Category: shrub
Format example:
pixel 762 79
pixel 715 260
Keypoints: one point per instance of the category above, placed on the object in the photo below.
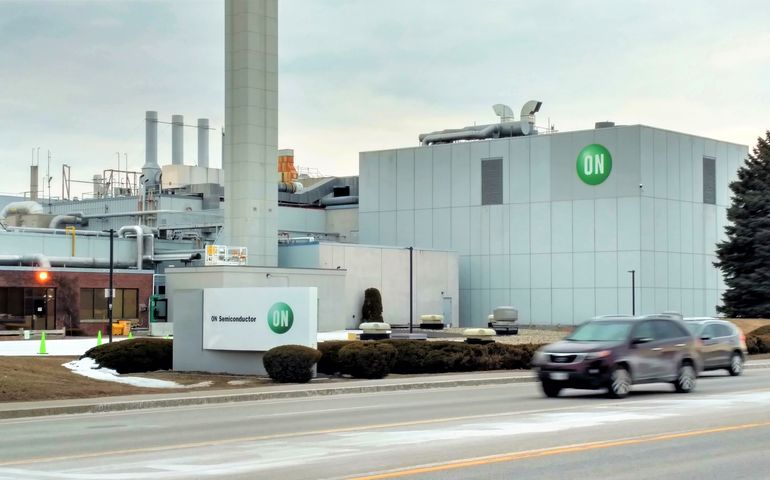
pixel 367 359
pixel 509 357
pixel 757 343
pixel 329 363
pixel 371 311
pixel 410 355
pixel 291 363
pixel 133 356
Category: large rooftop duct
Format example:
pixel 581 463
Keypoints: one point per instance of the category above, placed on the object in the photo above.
pixel 251 126
pixel 506 128
pixel 203 142
pixel 177 140
pixel 150 177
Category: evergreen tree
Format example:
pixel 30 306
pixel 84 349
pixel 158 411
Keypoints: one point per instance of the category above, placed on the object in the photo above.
pixel 371 311
pixel 744 257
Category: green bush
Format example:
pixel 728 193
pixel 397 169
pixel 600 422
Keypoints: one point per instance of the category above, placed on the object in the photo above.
pixel 330 362
pixel 291 363
pixel 757 344
pixel 133 356
pixel 454 357
pixel 367 359
pixel 371 311
pixel 509 357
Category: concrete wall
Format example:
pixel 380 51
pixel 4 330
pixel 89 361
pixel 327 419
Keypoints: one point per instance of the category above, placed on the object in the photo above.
pixel 387 269
pixel 558 249
pixel 343 220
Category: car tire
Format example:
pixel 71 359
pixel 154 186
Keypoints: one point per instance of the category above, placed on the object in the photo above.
pixel 685 378
pixel 550 389
pixel 736 365
pixel 620 383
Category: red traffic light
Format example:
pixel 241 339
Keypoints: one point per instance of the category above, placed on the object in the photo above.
pixel 42 276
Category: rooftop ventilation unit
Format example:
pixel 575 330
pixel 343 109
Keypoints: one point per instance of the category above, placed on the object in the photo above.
pixel 506 128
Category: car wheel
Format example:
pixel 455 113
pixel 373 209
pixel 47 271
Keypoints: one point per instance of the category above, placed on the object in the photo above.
pixel 736 365
pixel 620 383
pixel 551 389
pixel 685 379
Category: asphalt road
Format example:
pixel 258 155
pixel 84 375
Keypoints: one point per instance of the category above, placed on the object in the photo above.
pixel 722 430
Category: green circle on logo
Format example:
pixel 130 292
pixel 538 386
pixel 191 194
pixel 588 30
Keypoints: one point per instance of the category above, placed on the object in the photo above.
pixel 280 318
pixel 594 164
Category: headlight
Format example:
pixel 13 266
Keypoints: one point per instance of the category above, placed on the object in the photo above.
pixel 598 355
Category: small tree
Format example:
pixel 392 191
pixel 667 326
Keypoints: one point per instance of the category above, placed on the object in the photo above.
pixel 67 302
pixel 371 311
pixel 744 257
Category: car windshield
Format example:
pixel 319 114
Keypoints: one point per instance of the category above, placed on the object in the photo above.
pixel 694 328
pixel 601 332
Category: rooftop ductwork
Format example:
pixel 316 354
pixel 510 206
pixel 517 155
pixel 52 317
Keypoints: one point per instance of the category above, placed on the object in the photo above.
pixel 506 128
pixel 26 207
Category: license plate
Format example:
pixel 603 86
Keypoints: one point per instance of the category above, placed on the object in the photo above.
pixel 559 376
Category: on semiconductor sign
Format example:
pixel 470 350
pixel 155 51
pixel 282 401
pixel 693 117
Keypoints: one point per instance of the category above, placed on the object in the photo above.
pixel 594 164
pixel 259 318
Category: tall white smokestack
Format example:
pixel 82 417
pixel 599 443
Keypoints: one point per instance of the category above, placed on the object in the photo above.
pixel 177 140
pixel 203 142
pixel 150 178
pixel 251 128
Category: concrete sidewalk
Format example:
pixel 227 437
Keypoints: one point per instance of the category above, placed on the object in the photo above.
pixel 316 388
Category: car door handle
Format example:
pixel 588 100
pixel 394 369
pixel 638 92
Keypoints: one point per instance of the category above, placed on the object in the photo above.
pixel 657 349
pixel 681 344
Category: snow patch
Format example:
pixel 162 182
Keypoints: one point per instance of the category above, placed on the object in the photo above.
pixel 89 368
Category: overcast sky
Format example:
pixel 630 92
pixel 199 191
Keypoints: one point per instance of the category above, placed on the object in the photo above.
pixel 76 77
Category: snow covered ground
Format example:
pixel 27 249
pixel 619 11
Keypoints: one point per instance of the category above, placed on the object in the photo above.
pixel 89 368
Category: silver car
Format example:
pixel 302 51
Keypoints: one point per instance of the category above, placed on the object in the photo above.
pixel 721 344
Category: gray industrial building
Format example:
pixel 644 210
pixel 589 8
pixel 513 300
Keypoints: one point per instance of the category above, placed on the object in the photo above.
pixel 532 233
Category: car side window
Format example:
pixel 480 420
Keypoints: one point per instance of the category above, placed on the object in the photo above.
pixel 665 330
pixel 723 330
pixel 710 331
pixel 644 330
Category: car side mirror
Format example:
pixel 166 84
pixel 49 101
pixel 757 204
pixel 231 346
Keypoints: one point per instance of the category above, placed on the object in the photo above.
pixel 641 340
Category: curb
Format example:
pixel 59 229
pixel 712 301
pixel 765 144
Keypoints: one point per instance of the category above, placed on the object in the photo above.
pixel 253 396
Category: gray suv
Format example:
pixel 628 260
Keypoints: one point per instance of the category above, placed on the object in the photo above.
pixel 721 344
pixel 616 352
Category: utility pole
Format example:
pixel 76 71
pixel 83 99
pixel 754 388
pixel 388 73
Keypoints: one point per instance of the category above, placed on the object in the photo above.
pixel 411 288
pixel 109 294
pixel 633 291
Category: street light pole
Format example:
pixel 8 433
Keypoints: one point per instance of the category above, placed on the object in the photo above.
pixel 109 295
pixel 633 291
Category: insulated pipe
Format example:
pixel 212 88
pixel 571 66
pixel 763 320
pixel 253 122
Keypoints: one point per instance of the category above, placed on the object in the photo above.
pixel 177 140
pixel 138 231
pixel 55 231
pixel 348 200
pixel 34 259
pixel 203 142
pixel 69 219
pixel 25 207
pixel 480 132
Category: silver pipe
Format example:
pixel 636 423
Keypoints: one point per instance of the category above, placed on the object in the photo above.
pixel 346 200
pixel 26 207
pixel 169 257
pixel 58 231
pixel 33 259
pixel 138 213
pixel 74 218
pixel 139 233
pixel 150 170
pixel 478 132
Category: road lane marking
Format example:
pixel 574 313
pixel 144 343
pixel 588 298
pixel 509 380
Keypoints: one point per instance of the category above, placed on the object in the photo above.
pixel 546 452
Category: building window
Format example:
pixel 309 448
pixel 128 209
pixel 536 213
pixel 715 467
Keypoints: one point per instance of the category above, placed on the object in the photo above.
pixel 27 307
pixel 709 180
pixel 93 303
pixel 492 181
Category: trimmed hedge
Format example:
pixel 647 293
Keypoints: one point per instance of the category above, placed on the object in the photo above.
pixel 419 356
pixel 330 363
pixel 291 363
pixel 370 359
pixel 134 356
pixel 757 343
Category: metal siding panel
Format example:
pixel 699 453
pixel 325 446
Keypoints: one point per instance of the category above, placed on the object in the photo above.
pixel 442 232
pixel 659 164
pixel 629 224
pixel 674 270
pixel 606 269
pixel 561 270
pixel 661 225
pixel 606 215
pixel 541 306
pixel 519 228
pixel 423 228
pixel 647 163
pixel 498 149
pixel 584 270
pixel 540 227
pixel 369 227
pixel 562 306
pixel 387 180
pixel 519 170
pixel 521 300
pixel 369 196
pixel 540 169
pixel 672 165
pixel 520 271
pixel 461 174
pixel 388 228
pixel 461 233
pixel 583 225
pixel 442 176
pixel 405 228
pixel 685 168
pixel 423 174
pixel 405 179
pixel 541 270
pixel 478 151
pixel 498 229
pixel 561 226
